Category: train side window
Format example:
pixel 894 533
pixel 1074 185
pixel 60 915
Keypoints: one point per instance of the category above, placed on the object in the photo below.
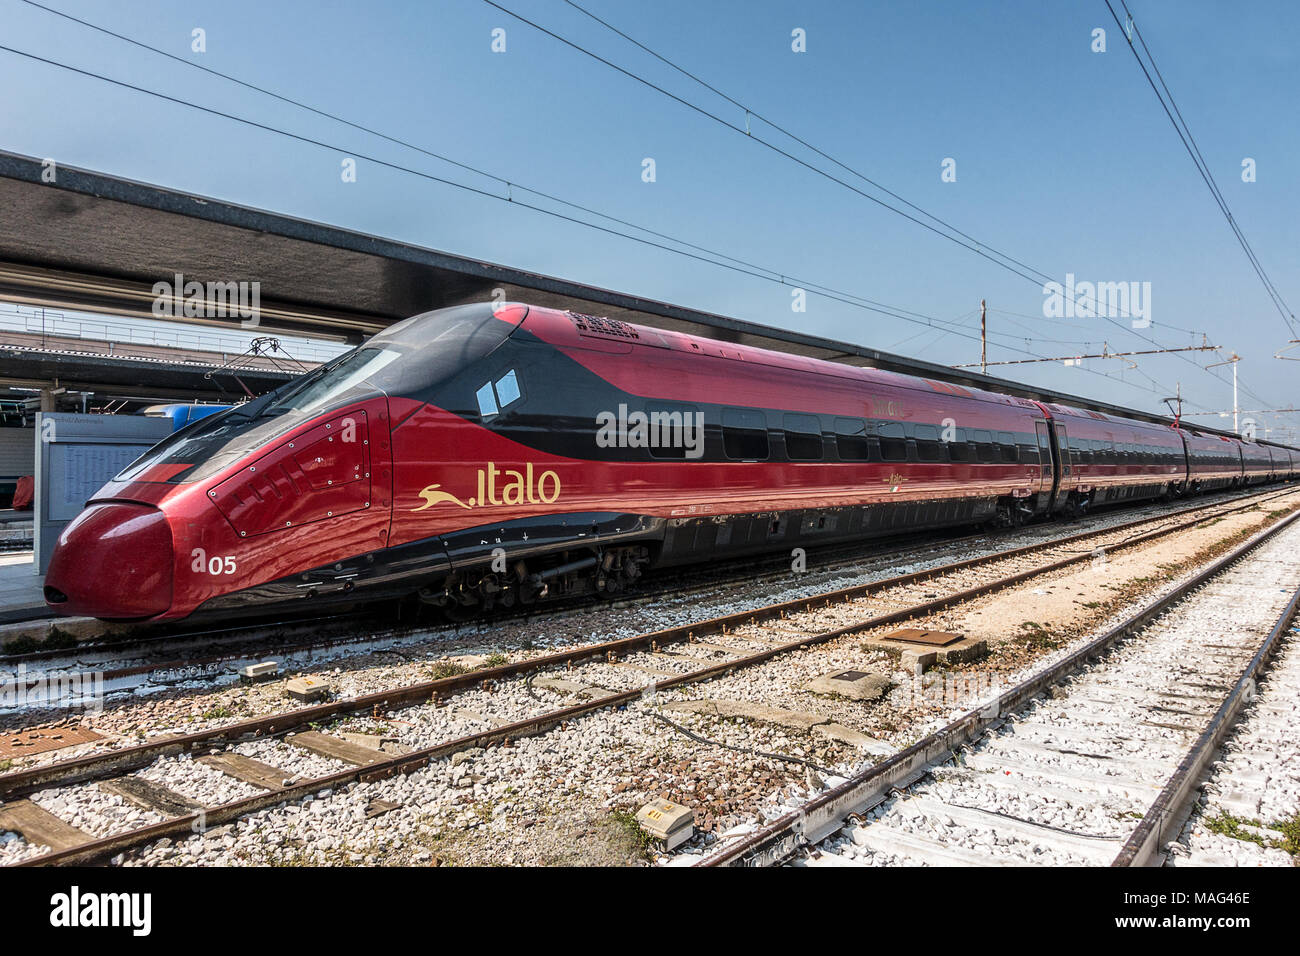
pixel 928 446
pixel 673 427
pixel 803 437
pixel 984 448
pixel 1007 450
pixel 959 449
pixel 851 439
pixel 893 442
pixel 487 403
pixel 508 389
pixel 744 434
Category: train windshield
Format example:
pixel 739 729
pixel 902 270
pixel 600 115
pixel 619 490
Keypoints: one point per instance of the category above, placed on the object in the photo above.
pixel 210 444
pixel 432 347
pixel 320 389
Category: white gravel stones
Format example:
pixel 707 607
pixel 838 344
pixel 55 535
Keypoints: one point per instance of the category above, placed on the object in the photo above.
pixel 14 849
pixel 201 783
pixel 98 813
pixel 297 763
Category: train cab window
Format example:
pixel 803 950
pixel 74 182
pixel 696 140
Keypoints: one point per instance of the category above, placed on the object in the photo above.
pixel 803 437
pixel 494 396
pixel 675 429
pixel 487 403
pixel 893 442
pixel 744 434
pixel 851 439
pixel 984 448
pixel 1007 450
pixel 928 446
pixel 507 387
pixel 959 449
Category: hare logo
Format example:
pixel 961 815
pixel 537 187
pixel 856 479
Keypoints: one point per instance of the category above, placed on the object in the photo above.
pixel 515 488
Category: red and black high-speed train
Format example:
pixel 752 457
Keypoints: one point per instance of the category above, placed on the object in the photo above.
pixel 485 456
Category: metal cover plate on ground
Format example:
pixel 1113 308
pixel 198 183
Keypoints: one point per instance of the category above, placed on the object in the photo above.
pixel 41 739
pixel 917 635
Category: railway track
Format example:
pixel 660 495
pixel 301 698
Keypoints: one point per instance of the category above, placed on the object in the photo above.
pixel 664 659
pixel 1094 760
pixel 143 669
pixel 1250 806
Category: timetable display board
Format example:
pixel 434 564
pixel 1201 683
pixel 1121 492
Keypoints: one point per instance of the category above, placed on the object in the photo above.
pixel 76 455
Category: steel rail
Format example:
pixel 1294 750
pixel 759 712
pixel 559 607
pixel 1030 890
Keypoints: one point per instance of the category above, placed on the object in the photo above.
pixel 825 814
pixel 92 767
pixel 1173 804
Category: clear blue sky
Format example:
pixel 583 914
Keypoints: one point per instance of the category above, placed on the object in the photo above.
pixel 1064 158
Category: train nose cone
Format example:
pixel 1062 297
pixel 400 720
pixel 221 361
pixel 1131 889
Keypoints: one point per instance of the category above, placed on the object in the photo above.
pixel 114 561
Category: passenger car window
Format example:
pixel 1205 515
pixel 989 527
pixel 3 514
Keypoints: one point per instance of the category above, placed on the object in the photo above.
pixel 928 446
pixel 851 439
pixel 674 431
pixel 1007 450
pixel 893 442
pixel 744 434
pixel 803 437
pixel 959 449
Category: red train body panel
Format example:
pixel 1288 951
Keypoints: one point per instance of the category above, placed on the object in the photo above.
pixel 1214 461
pixel 483 457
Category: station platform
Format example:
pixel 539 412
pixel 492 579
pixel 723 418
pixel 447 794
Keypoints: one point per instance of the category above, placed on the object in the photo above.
pixel 21 594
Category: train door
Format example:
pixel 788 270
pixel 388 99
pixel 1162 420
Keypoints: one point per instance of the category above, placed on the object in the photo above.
pixel 1188 463
pixel 1066 479
pixel 1047 471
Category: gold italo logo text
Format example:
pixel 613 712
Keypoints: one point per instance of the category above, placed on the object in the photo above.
pixel 498 486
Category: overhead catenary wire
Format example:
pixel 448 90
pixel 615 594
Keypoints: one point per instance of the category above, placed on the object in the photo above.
pixel 893 311
pixel 746 267
pixel 1011 264
pixel 1193 150
pixel 732 264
